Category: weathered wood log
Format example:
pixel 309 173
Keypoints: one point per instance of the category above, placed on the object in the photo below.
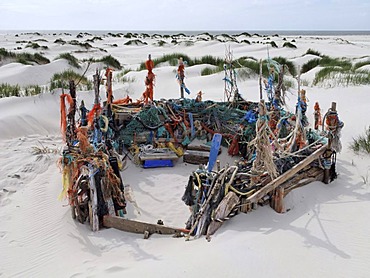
pixel 202 148
pixel 222 211
pixel 158 156
pixel 287 175
pixel 139 227
pixel 196 157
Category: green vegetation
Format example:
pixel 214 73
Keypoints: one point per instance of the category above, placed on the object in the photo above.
pixel 327 61
pixel 7 90
pixel 188 43
pixel 173 60
pixel 110 61
pixel 310 65
pixel 60 41
pixel 273 44
pixel 82 44
pixel 23 58
pixel 161 43
pixel 361 64
pixel 333 64
pixel 6 54
pixel 209 70
pixel 32 90
pixel 114 35
pixel 27 59
pixel 288 83
pixel 290 45
pixel 61 80
pixel 289 64
pixel 128 36
pixel 120 75
pixel 313 52
pixel 72 60
pixel 362 143
pixel 340 71
pixel 245 41
pixel 343 77
pixel 94 39
pixel 135 42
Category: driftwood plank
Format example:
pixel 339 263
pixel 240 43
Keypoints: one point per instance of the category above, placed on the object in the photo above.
pixel 196 157
pixel 138 227
pixel 227 204
pixel 287 175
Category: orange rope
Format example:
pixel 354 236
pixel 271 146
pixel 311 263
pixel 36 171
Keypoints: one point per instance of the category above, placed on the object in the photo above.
pixel 90 117
pixel 63 113
pixel 125 100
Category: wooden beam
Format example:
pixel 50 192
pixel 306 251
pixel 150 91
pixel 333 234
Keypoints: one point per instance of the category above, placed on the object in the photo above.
pixel 133 226
pixel 287 175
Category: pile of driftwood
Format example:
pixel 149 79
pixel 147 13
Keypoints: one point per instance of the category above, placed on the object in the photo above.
pixel 215 196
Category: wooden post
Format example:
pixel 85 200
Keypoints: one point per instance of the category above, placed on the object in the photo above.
pixel 71 114
pixel 299 81
pixel 277 202
pixel 328 153
pixel 96 86
pixel 260 79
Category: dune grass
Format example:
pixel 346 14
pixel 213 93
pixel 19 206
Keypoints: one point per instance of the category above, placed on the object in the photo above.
pixel 110 61
pixel 209 70
pixel 284 61
pixel 361 64
pixel 327 61
pixel 313 52
pixel 24 58
pixel 335 76
pixel 28 59
pixel 361 143
pixel 82 44
pixel 310 65
pixel 61 80
pixel 135 42
pixel 7 90
pixel 289 45
pixel 273 44
pixel 72 60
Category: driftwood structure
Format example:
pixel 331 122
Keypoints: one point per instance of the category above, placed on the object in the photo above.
pixel 276 151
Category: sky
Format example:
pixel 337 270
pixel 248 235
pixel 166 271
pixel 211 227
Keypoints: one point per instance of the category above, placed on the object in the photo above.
pixel 187 15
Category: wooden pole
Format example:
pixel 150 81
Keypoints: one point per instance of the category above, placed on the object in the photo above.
pixel 71 115
pixel 96 87
pixel 328 153
pixel 299 81
pixel 277 202
pixel 260 79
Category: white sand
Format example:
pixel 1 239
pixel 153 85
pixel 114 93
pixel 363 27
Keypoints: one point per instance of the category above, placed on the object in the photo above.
pixel 324 234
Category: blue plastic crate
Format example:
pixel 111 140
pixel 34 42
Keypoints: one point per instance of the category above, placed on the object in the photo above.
pixel 158 163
